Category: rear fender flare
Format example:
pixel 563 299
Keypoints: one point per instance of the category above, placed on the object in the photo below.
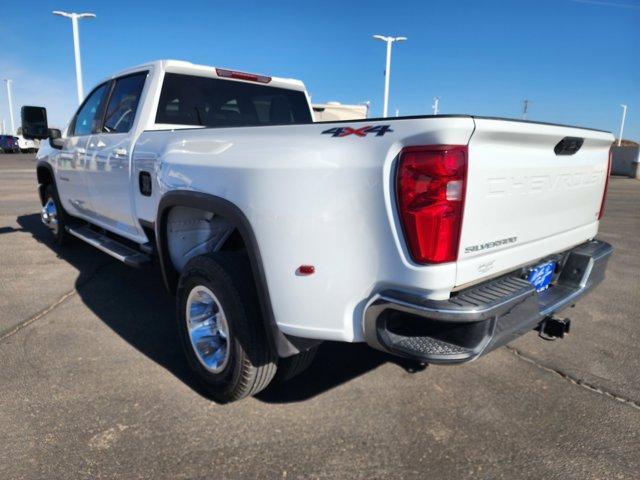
pixel 284 345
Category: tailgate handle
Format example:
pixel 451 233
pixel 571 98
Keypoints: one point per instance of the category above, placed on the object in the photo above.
pixel 568 145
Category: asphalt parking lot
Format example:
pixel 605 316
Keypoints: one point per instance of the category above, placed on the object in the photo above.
pixel 93 384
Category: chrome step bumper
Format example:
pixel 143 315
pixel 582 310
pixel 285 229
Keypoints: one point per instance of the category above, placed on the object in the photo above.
pixel 480 318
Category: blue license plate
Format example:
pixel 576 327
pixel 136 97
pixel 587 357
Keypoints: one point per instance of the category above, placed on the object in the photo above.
pixel 540 277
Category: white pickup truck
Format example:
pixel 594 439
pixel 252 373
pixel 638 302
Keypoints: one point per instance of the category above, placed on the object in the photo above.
pixel 436 238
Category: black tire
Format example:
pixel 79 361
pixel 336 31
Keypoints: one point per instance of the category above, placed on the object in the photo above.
pixel 291 367
pixel 60 234
pixel 251 363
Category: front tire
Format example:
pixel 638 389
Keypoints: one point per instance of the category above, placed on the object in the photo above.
pixel 221 330
pixel 54 216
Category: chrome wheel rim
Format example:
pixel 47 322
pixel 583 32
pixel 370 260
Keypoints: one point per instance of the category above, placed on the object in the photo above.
pixel 208 329
pixel 49 215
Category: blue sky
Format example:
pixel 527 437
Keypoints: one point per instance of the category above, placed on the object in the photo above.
pixel 576 60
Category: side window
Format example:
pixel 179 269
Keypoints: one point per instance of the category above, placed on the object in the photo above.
pixel 123 103
pixel 87 118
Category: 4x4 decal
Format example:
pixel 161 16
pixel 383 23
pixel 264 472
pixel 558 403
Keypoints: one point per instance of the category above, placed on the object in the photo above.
pixel 379 130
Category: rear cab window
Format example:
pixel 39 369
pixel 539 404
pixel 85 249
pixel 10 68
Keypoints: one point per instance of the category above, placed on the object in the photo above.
pixel 212 102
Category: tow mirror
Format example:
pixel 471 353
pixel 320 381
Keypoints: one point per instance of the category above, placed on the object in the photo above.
pixel 34 122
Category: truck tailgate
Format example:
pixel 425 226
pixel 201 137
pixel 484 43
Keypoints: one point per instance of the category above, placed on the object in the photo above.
pixel 528 197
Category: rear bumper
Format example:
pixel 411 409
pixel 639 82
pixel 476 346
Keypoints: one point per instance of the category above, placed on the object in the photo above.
pixel 482 317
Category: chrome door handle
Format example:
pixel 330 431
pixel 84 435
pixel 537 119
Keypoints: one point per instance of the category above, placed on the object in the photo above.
pixel 121 152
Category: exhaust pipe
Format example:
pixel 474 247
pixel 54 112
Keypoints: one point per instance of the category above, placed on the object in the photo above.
pixel 552 328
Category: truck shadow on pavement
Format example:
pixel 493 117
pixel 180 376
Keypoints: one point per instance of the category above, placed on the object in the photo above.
pixel 134 304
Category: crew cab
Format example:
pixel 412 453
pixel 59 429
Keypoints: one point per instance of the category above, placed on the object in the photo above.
pixel 436 238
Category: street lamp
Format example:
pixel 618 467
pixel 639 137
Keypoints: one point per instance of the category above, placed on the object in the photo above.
pixel 436 105
pixel 8 81
pixel 387 71
pixel 624 116
pixel 76 45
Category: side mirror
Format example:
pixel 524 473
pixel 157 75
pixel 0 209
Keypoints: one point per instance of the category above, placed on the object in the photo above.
pixel 34 122
pixel 55 138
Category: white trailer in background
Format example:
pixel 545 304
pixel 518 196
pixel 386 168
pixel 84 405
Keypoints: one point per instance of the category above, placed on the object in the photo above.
pixel 335 111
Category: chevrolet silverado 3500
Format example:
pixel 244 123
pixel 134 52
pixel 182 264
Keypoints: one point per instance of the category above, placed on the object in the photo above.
pixel 436 238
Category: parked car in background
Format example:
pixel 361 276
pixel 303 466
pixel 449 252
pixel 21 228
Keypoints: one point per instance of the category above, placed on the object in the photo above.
pixel 9 144
pixel 27 145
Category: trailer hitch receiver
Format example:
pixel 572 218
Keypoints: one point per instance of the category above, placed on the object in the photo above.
pixel 552 328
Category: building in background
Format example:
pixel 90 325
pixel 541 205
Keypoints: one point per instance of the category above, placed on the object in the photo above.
pixel 334 111
pixel 625 159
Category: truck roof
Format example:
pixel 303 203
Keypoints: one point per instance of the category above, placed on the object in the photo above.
pixel 188 68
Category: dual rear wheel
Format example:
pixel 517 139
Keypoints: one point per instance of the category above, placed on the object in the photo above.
pixel 221 330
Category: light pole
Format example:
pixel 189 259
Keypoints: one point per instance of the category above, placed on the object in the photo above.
pixel 436 105
pixel 525 108
pixel 387 71
pixel 8 81
pixel 76 45
pixel 624 116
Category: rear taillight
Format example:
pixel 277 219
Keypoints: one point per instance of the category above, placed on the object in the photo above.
pixel 242 76
pixel 606 187
pixel 431 184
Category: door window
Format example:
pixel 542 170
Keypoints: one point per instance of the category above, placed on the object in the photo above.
pixel 88 117
pixel 123 103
